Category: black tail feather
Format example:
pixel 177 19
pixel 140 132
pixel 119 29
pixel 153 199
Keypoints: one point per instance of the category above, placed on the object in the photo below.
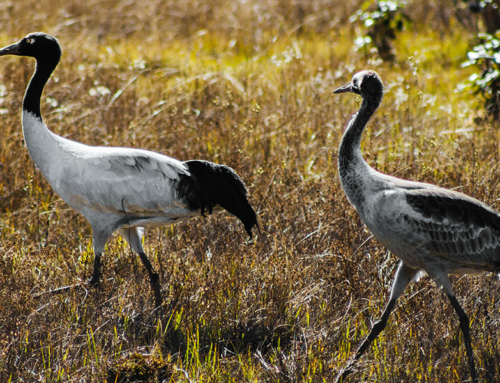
pixel 210 185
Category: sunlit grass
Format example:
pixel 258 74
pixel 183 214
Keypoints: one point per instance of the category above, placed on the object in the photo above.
pixel 248 84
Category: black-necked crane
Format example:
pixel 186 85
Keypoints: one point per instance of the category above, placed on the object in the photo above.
pixel 429 228
pixel 121 189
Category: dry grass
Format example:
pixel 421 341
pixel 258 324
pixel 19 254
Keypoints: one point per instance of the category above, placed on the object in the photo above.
pixel 248 84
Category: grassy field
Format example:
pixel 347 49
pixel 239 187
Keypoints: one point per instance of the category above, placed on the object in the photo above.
pixel 248 84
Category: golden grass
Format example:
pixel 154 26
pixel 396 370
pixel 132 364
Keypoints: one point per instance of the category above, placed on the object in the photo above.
pixel 248 84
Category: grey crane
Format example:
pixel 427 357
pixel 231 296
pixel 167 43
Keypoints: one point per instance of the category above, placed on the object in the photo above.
pixel 429 228
pixel 121 189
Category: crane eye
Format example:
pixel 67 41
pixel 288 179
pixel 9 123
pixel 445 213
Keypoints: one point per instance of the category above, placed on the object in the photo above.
pixel 30 40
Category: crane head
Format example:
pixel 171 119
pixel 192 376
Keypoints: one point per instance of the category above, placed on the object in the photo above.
pixel 37 45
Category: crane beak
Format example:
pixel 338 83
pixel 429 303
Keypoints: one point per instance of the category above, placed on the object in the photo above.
pixel 10 50
pixel 347 88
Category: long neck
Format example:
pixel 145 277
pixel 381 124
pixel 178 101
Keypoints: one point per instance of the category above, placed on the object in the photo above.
pixel 44 69
pixel 350 146
pixel 42 144
pixel 352 166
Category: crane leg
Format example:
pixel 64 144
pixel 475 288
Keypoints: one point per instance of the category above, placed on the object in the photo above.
pixel 404 275
pixel 376 329
pixel 100 238
pixel 133 235
pixel 154 279
pixel 443 281
pixel 464 325
pixel 95 279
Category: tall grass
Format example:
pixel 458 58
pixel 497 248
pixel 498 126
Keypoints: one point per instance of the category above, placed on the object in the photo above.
pixel 248 84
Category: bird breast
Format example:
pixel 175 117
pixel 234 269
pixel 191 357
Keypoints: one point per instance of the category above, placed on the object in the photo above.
pixel 385 214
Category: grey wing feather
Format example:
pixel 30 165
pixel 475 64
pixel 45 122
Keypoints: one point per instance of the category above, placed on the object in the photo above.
pixel 460 228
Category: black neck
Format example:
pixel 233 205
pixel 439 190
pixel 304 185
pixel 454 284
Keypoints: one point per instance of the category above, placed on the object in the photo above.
pixel 44 69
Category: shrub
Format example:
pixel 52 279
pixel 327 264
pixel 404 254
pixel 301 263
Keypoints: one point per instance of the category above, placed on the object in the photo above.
pixel 486 56
pixel 382 26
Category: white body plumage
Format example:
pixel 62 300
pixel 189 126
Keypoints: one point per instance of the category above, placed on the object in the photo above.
pixel 105 184
pixel 121 189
